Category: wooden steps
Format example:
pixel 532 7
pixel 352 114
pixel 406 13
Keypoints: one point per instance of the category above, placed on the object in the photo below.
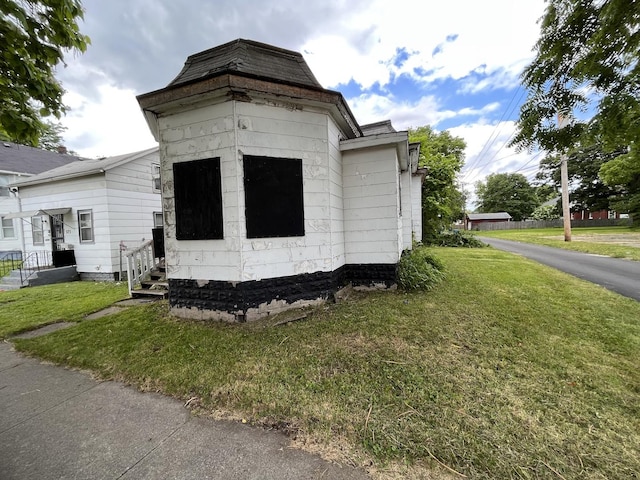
pixel 156 286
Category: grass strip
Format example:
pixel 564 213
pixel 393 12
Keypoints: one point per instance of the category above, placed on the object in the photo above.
pixel 32 307
pixel 507 369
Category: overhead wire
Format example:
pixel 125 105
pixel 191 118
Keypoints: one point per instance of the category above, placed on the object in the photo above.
pixel 508 111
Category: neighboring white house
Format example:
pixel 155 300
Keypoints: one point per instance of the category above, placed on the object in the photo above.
pixel 18 162
pixel 85 212
pixel 273 195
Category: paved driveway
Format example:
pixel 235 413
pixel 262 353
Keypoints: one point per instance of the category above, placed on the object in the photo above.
pixel 618 275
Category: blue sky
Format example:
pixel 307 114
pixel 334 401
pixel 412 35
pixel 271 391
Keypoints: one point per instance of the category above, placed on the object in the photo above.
pixel 454 65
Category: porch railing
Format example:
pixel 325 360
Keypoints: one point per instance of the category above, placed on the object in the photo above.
pixel 26 263
pixel 140 262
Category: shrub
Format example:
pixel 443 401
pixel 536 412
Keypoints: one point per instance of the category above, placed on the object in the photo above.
pixel 419 270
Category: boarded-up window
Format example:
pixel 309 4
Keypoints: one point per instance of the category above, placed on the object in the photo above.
pixel 198 199
pixel 274 204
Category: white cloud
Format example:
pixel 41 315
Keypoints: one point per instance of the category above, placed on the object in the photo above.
pixel 494 37
pixel 482 45
pixel 487 152
pixel 369 108
pixel 111 126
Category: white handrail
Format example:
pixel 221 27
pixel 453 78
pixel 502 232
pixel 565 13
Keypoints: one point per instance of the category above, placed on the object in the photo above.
pixel 140 262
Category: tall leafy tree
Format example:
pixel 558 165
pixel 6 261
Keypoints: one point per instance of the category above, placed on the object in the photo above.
pixel 587 60
pixel 442 200
pixel 588 191
pixel 507 192
pixel 34 35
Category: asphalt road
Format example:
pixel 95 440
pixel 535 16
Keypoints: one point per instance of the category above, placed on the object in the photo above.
pixel 615 274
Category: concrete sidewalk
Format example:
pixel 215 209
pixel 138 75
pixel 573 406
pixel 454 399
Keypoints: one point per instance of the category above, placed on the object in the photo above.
pixel 61 424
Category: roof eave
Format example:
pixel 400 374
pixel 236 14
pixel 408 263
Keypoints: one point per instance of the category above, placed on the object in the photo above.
pixel 399 139
pixel 58 178
pixel 235 86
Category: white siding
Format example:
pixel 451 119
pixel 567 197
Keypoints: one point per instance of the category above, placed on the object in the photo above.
pixel 131 204
pixel 264 130
pixel 86 193
pixel 122 204
pixel 200 133
pixel 416 200
pixel 277 132
pixel 336 198
pixel 371 206
pixel 10 205
pixel 407 209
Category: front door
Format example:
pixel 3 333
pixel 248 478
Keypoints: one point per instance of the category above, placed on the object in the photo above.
pixel 57 232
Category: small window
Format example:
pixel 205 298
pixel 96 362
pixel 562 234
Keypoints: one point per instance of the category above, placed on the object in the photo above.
pixel 37 230
pixel 85 226
pixel 198 199
pixel 7 228
pixel 155 177
pixel 158 221
pixel 273 197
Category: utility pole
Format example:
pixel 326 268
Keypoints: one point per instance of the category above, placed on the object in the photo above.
pixel 564 181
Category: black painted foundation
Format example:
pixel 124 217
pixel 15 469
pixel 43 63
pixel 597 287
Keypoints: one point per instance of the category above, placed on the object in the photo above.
pixel 238 298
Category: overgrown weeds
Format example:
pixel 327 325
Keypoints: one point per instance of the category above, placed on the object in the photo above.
pixel 419 269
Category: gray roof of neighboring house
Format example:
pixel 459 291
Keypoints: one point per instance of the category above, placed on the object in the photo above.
pixel 489 216
pixel 28 160
pixel 248 58
pixel 83 168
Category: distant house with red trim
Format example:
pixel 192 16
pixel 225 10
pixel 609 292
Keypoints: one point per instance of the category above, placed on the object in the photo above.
pixel 596 215
pixel 473 220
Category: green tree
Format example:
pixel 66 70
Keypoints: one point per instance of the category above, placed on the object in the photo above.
pixel 623 172
pixel 545 212
pixel 34 35
pixel 587 60
pixel 442 201
pixel 588 192
pixel 507 192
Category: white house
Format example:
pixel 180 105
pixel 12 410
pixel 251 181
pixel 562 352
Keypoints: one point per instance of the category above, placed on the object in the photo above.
pixel 86 212
pixel 18 162
pixel 273 195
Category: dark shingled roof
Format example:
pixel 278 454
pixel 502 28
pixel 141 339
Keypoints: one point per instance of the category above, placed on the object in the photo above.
pixel 22 159
pixel 248 58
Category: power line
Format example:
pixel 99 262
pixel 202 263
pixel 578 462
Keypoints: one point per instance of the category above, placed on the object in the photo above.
pixel 494 134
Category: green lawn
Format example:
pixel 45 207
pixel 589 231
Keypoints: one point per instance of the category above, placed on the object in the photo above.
pixel 32 307
pixel 507 369
pixel 619 242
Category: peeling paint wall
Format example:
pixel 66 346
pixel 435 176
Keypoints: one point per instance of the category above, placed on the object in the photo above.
pixel 231 130
pixel 204 132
